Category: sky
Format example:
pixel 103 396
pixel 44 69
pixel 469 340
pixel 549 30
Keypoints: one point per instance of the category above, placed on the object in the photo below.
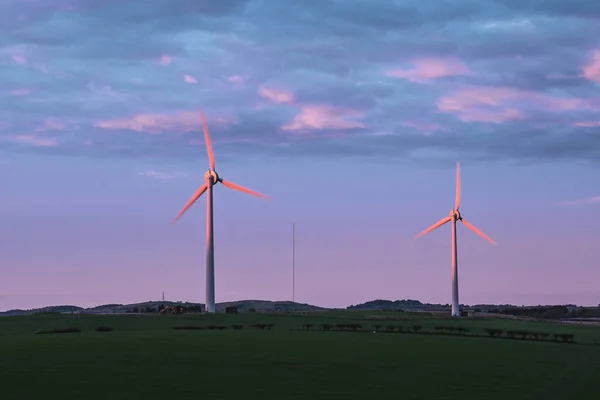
pixel 349 114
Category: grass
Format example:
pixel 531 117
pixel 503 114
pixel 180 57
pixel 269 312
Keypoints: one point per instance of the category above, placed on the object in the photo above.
pixel 154 357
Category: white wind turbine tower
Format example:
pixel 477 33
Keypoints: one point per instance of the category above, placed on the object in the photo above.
pixel 453 217
pixel 212 178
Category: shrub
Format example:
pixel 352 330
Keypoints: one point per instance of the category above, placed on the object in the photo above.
pixel 326 327
pixel 65 330
pixel 564 337
pixel 188 328
pixel 390 328
pixel 104 329
pixel 354 327
pixel 439 329
pixel 523 334
pixel 308 326
pixel 463 331
pixel 511 334
pixel 400 329
pixel 544 335
pixel 270 326
pixel 376 327
pixel 493 332
pixel 237 327
pixel 416 328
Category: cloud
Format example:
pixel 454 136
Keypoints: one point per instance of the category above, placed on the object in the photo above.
pixel 430 68
pixel 19 59
pixel 165 60
pixel 513 24
pixel 589 124
pixel 238 82
pixel 174 122
pixel 163 175
pixel 503 104
pixel 426 127
pixel 36 141
pixel 189 79
pixel 580 202
pixel 20 92
pixel 325 117
pixel 521 76
pixel 591 70
pixel 276 96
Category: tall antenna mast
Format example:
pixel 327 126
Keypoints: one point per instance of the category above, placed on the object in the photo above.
pixel 293 266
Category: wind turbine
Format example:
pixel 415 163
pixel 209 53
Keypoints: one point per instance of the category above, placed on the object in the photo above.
pixel 211 179
pixel 453 217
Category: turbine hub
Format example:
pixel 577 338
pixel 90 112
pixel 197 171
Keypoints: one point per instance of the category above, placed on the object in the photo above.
pixel 455 214
pixel 211 174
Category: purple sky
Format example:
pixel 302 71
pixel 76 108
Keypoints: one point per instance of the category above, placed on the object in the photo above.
pixel 350 114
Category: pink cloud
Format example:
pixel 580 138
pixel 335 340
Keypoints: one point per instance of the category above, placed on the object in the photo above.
pixel 579 202
pixel 182 121
pixel 165 60
pixel 502 104
pixel 163 175
pixel 237 81
pixel 591 70
pixel 31 139
pixel 198 142
pixel 20 92
pixel 42 68
pixel 53 125
pixel 277 96
pixel 426 127
pixel 426 69
pixel 190 79
pixel 588 124
pixel 105 90
pixel 19 59
pixel 314 117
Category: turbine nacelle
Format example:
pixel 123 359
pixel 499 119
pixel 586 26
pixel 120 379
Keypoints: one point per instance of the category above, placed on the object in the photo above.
pixel 212 174
pixel 455 214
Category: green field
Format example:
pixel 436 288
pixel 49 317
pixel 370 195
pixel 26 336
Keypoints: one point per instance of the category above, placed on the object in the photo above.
pixel 143 357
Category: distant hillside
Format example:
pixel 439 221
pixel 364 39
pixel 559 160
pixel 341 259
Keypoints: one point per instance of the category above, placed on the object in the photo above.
pixel 268 306
pixel 393 305
pixel 44 310
pixel 154 306
pixel 265 306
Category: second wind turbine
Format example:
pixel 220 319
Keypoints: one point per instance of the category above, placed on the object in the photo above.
pixel 453 217
pixel 211 178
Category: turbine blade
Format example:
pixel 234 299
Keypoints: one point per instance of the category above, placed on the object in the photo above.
pixel 192 200
pixel 477 231
pixel 435 226
pixel 457 186
pixel 237 187
pixel 209 149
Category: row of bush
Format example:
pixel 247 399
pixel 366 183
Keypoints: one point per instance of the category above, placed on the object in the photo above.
pixel 236 327
pixel 448 330
pixel 74 330
pixel 524 335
